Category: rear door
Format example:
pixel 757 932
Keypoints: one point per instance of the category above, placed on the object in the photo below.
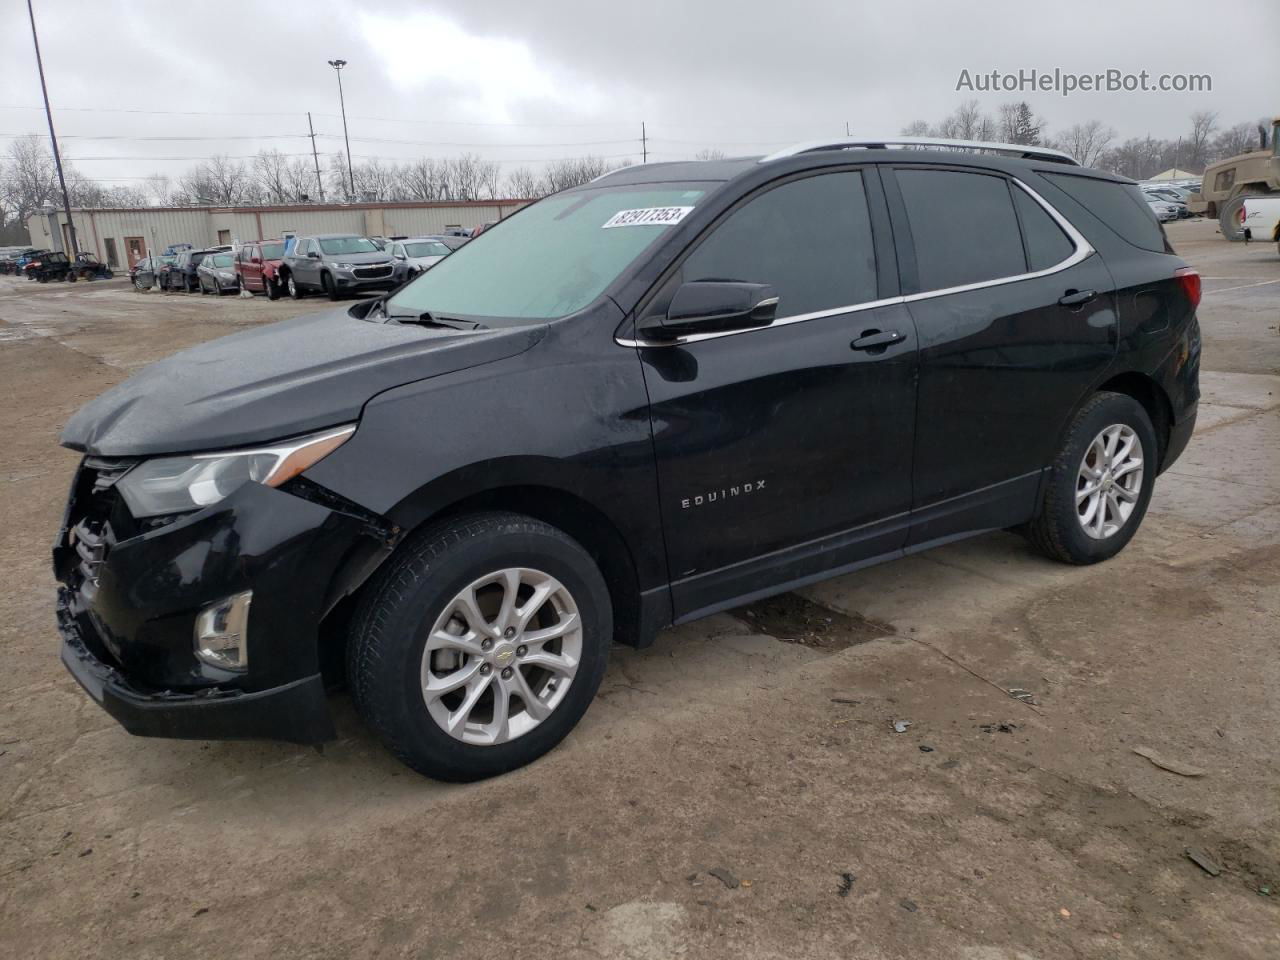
pixel 1016 318
pixel 785 452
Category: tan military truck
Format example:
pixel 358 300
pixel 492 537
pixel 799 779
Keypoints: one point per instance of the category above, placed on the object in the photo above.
pixel 1228 182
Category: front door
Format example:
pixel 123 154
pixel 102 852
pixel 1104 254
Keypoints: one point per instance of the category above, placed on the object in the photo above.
pixel 135 249
pixel 1016 320
pixel 784 453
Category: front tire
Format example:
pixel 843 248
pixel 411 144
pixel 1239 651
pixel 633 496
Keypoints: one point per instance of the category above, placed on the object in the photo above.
pixel 270 289
pixel 295 291
pixel 327 285
pixel 1229 215
pixel 1100 483
pixel 480 645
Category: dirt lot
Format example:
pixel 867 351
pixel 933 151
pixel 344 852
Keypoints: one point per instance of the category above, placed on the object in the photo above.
pixel 993 828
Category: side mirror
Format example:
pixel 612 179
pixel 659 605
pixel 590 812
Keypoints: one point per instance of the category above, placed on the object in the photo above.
pixel 713 306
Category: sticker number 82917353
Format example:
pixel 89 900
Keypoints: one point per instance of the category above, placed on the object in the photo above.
pixel 647 216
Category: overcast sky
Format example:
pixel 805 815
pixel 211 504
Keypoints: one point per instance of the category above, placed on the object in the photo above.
pixel 522 81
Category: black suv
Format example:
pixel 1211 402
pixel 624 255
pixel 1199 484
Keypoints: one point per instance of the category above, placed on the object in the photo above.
pixel 659 395
pixel 336 264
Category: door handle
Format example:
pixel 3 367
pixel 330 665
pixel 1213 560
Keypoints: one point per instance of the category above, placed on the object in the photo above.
pixel 877 339
pixel 1076 298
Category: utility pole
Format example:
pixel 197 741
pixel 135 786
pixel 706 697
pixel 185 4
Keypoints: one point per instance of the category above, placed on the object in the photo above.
pixel 644 144
pixel 846 128
pixel 351 175
pixel 315 156
pixel 53 138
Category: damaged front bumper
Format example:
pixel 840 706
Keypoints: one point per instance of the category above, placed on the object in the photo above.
pixel 131 592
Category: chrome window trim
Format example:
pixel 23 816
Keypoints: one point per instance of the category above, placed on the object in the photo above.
pixel 1083 250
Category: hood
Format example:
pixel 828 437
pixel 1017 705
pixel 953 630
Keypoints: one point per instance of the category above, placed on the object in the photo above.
pixel 276 381
pixel 425 261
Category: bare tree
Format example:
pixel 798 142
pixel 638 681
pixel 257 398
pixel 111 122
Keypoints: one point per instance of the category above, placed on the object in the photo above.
pixel 469 177
pixel 422 180
pixel 376 180
pixel 1241 138
pixel 523 184
pixel 918 128
pixel 709 154
pixel 282 179
pixel 28 178
pixel 563 174
pixel 1203 123
pixel 220 181
pixel 158 189
pixel 1087 142
pixel 968 123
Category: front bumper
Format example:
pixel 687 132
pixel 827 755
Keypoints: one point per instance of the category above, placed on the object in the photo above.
pixel 130 595
pixel 295 712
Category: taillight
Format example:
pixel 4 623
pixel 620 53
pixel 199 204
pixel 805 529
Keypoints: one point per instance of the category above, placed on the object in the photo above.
pixel 1189 279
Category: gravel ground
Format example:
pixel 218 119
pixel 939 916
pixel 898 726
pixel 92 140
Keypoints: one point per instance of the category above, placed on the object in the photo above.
pixel 730 794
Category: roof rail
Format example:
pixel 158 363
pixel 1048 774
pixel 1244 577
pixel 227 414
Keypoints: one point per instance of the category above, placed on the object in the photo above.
pixel 846 143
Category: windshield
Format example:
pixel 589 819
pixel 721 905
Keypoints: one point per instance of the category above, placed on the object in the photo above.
pixel 428 248
pixel 273 251
pixel 550 259
pixel 336 245
pixel 221 260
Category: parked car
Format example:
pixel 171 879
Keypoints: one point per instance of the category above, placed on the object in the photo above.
pixel 415 254
pixel 217 273
pixel 451 240
pixel 257 264
pixel 50 265
pixel 181 273
pixel 483 227
pixel 640 401
pixel 1168 195
pixel 336 264
pixel 144 274
pixel 1163 209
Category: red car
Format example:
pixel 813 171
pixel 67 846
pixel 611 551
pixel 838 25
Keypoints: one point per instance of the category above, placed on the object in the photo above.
pixel 256 265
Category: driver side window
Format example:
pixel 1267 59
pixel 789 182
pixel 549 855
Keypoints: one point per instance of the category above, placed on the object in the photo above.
pixel 809 238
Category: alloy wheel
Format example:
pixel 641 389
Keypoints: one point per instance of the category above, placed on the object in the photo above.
pixel 501 656
pixel 1109 481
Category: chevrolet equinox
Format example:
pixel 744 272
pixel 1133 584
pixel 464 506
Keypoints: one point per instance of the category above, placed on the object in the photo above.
pixel 665 393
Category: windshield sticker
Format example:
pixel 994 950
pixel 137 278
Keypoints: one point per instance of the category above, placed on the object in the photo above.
pixel 647 217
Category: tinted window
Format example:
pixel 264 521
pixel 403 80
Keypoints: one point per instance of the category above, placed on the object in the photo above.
pixel 810 239
pixel 963 227
pixel 1121 206
pixel 272 251
pixel 1046 244
pixel 425 248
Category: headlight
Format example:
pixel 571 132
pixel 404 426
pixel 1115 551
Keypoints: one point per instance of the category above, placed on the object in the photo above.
pixel 180 484
pixel 342 266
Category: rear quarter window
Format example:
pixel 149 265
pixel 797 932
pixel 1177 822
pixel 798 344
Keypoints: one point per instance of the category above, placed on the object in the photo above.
pixel 1120 206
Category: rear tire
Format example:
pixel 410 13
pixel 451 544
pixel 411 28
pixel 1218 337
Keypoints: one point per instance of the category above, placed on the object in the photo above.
pixel 270 289
pixel 1093 472
pixel 419 596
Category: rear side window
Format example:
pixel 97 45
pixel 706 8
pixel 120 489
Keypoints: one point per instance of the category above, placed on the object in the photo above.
pixel 1120 206
pixel 1046 244
pixel 810 239
pixel 963 227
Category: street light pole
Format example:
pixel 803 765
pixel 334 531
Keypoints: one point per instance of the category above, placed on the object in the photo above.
pixel 53 139
pixel 351 176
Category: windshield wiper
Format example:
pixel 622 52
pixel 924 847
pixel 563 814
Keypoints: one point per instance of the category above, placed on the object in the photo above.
pixel 427 320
